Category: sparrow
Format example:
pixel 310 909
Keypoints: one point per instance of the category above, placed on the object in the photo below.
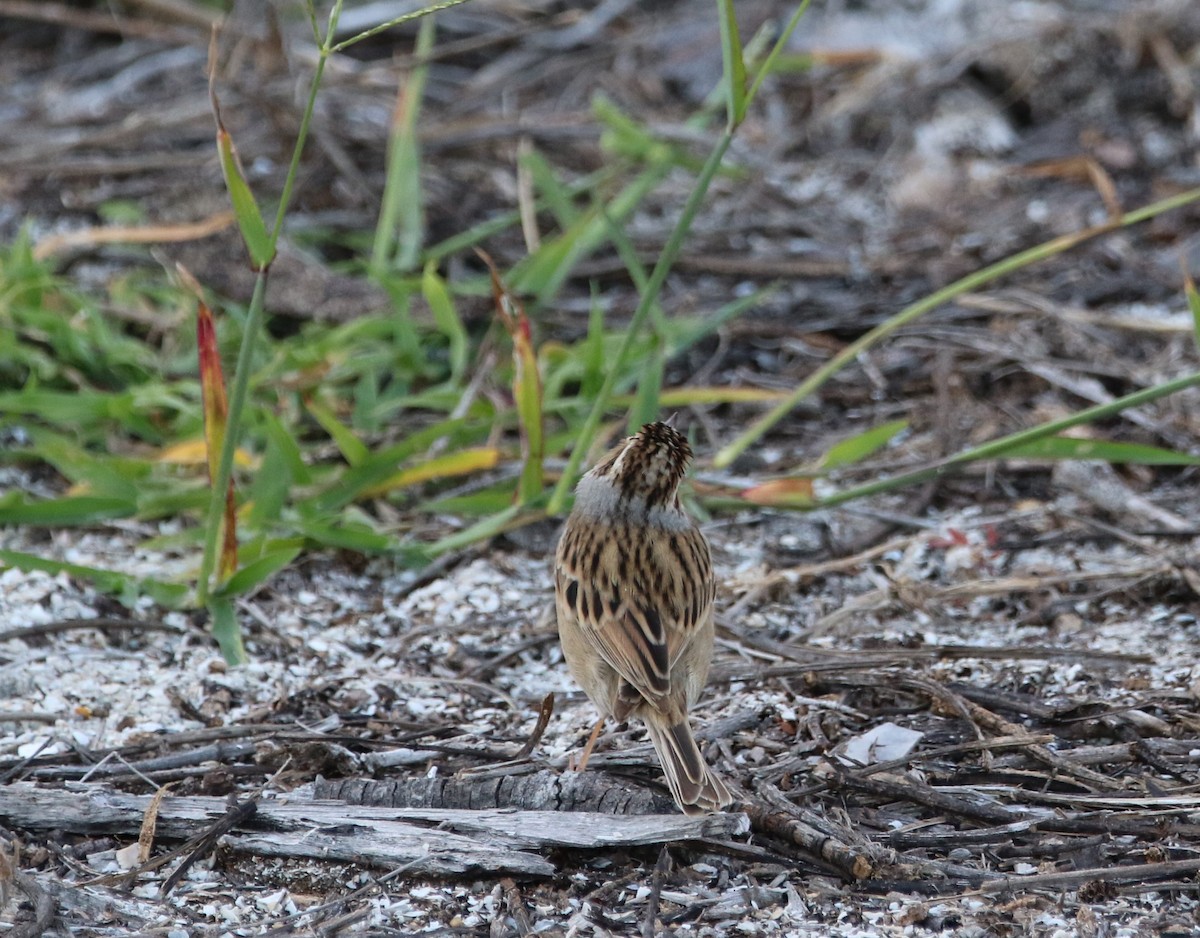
pixel 634 593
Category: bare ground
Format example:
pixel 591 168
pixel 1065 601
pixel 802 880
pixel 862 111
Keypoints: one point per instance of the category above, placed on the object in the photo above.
pixel 968 709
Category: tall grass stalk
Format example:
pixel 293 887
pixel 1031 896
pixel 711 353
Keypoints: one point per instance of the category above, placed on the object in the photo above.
pixel 253 326
pixel 738 102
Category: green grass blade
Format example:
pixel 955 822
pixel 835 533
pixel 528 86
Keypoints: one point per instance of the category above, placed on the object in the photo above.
pixel 441 304
pixel 637 272
pixel 245 208
pixel 487 501
pixel 60 408
pixel 477 234
pixel 68 511
pixel 542 273
pixel 682 335
pixel 646 399
pixel 554 196
pixel 392 23
pixel 282 468
pixel 379 466
pixel 353 450
pixel 400 229
pixel 1193 301
pixel 733 64
pixel 857 448
pixel 592 353
pixel 345 535
pixel 118 477
pixel 225 629
pixel 769 63
pixel 480 531
pixel 1069 447
pixel 127 588
pixel 257 572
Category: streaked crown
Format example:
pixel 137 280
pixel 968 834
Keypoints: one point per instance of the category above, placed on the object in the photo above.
pixel 648 465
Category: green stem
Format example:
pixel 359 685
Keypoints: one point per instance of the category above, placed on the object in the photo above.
pixel 237 403
pixel 657 277
pixel 250 335
pixel 289 182
pixel 375 30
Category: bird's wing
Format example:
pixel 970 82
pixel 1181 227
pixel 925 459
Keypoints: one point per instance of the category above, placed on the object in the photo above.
pixel 639 600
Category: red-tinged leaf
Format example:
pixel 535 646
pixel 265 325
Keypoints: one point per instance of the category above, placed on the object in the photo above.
pixel 790 493
pixel 216 415
pixel 212 386
pixel 227 563
pixel 953 538
pixel 527 384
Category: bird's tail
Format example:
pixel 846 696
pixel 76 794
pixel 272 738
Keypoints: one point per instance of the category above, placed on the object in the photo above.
pixel 694 786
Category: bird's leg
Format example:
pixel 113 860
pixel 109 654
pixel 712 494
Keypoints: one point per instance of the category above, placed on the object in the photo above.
pixel 587 750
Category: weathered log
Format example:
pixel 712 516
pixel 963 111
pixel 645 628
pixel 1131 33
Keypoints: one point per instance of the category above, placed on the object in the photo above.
pixel 537 791
pixel 440 842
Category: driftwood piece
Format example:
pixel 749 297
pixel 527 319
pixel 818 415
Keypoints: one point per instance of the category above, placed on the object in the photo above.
pixel 772 814
pixel 538 791
pixel 95 903
pixel 440 842
pixel 385 843
pixel 43 905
